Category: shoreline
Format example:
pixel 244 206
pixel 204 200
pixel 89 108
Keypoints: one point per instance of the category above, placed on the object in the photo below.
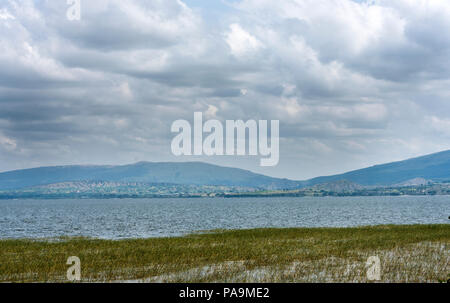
pixel 217 197
pixel 63 238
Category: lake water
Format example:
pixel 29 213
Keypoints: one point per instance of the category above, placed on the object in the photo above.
pixel 143 218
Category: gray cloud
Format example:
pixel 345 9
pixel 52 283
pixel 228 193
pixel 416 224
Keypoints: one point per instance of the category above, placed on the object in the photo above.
pixel 353 83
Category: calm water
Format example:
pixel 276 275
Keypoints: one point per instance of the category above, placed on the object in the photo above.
pixel 142 218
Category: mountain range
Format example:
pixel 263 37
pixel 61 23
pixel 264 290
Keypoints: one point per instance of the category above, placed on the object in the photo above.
pixel 192 173
pixel 430 168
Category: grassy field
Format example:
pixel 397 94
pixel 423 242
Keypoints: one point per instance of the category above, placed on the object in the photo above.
pixel 418 253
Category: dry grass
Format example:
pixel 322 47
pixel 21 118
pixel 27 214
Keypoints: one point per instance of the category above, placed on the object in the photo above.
pixel 418 253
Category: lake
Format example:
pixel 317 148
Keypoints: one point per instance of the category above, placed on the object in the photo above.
pixel 144 218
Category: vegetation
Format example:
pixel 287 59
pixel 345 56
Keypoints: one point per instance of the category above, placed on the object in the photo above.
pixel 418 253
pixel 329 190
pixel 108 190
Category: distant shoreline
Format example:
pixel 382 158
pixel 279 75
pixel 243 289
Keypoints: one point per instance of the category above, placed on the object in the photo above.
pixel 227 196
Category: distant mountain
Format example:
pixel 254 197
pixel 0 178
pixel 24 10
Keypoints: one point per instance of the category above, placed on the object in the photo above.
pixel 434 167
pixel 192 173
pixel 417 171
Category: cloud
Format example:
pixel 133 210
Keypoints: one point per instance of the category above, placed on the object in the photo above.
pixel 7 143
pixel 211 112
pixel 5 14
pixel 352 82
pixel 240 41
pixel 440 125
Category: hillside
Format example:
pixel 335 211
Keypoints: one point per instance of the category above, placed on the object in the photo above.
pixel 434 167
pixel 413 172
pixel 193 173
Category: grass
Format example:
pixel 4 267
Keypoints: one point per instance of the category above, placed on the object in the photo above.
pixel 416 253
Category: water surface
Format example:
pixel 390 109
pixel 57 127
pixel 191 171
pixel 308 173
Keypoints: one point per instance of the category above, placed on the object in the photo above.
pixel 143 218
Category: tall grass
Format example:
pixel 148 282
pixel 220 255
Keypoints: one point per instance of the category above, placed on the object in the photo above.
pixel 418 253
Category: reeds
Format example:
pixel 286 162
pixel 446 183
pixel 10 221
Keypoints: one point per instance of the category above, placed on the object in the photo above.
pixel 417 253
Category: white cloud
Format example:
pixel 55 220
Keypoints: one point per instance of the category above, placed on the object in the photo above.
pixel 211 112
pixel 5 15
pixel 125 90
pixel 289 106
pixel 240 41
pixel 439 125
pixel 7 143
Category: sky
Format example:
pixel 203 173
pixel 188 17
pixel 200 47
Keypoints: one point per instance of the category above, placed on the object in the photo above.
pixel 353 83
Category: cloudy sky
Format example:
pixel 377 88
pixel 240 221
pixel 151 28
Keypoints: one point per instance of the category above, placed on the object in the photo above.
pixel 353 83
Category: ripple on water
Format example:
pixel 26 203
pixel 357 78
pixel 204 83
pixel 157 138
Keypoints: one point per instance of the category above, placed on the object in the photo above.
pixel 142 218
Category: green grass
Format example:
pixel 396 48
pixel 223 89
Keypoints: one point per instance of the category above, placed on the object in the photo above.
pixel 418 253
